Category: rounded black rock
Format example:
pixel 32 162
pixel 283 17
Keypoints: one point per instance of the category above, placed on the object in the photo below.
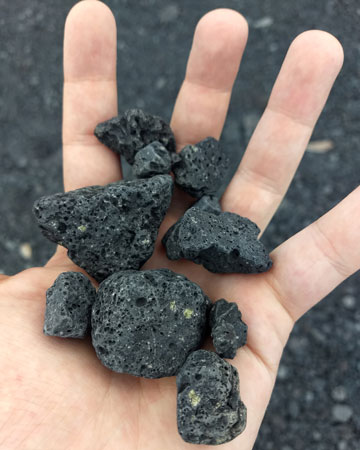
pixel 209 408
pixel 146 323
pixel 68 306
pixel 228 331
pixel 201 168
pixel 151 160
pixel 222 242
pixel 126 134
pixel 107 228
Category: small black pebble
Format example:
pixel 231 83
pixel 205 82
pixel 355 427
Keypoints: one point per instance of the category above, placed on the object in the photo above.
pixel 201 168
pixel 209 408
pixel 151 160
pixel 228 331
pixel 128 133
pixel 209 203
pixel 68 306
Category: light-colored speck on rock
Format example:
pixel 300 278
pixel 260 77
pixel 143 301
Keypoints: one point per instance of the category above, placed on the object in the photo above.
pixel 194 398
pixel 342 413
pixel 173 305
pixel 25 250
pixel 188 313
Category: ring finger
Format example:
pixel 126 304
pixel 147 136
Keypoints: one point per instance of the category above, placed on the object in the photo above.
pixel 274 152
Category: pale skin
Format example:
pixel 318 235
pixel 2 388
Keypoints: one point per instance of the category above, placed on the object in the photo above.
pixel 54 393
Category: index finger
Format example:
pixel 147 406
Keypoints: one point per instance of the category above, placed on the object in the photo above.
pixel 90 94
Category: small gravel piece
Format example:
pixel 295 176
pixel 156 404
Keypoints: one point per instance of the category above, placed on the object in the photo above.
pixel 128 133
pixel 349 301
pixel 209 203
pixel 339 394
pixel 68 306
pixel 146 323
pixel 223 243
pixel 152 160
pixel 107 228
pixel 228 331
pixel 342 413
pixel 209 408
pixel 201 169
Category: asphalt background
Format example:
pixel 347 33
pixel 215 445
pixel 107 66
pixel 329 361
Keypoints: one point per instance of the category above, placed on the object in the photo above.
pixel 316 402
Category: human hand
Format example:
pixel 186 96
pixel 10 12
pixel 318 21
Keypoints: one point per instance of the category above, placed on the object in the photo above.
pixel 54 392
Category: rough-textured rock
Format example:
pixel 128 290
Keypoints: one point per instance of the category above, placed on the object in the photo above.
pixel 126 134
pixel 202 168
pixel 209 408
pixel 107 228
pixel 228 331
pixel 209 203
pixel 175 158
pixel 146 323
pixel 68 306
pixel 223 243
pixel 152 160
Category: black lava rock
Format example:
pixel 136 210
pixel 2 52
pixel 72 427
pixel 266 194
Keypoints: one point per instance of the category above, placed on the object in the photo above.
pixel 202 168
pixel 209 408
pixel 209 203
pixel 107 228
pixel 152 160
pixel 68 306
pixel 224 243
pixel 132 131
pixel 175 158
pixel 146 323
pixel 228 331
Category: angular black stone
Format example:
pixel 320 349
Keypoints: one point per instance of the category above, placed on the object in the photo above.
pixel 224 243
pixel 146 323
pixel 107 228
pixel 209 408
pixel 151 160
pixel 128 133
pixel 228 331
pixel 68 306
pixel 201 169
pixel 209 203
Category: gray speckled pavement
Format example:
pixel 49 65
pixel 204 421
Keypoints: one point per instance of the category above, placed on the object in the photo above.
pixel 316 402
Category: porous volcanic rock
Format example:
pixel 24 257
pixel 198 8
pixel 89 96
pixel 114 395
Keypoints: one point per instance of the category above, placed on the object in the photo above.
pixel 209 203
pixel 228 331
pixel 151 160
pixel 201 168
pixel 209 408
pixel 222 242
pixel 126 134
pixel 107 228
pixel 68 306
pixel 146 323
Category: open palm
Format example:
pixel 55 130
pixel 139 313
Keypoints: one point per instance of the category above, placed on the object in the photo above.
pixel 54 393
